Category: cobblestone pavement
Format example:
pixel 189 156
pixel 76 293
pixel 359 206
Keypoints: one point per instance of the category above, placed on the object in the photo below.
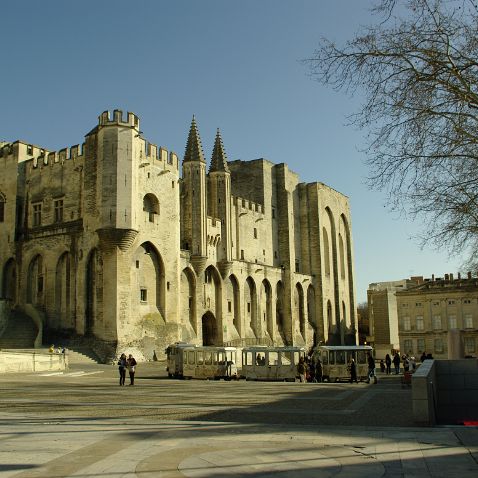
pixel 82 424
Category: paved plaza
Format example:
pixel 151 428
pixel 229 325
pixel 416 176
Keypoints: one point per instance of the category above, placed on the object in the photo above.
pixel 82 424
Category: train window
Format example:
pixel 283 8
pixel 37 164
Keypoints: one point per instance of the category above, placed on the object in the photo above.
pixel 361 356
pixel 350 355
pixel 286 358
pixel 200 358
pixel 273 358
pixel 248 358
pixel 340 357
pixel 325 357
pixel 208 358
pixel 332 357
pixel 191 357
pixel 296 357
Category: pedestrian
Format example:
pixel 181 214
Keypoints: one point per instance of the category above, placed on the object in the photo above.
pixel 302 369
pixel 396 363
pixel 388 364
pixel 311 371
pixel 122 363
pixel 413 364
pixel 353 371
pixel 423 357
pixel 371 368
pixel 318 370
pixel 131 368
pixel 382 366
pixel 406 363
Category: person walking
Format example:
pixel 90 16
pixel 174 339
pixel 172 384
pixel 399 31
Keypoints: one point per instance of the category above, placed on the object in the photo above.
pixel 131 368
pixel 318 370
pixel 388 364
pixel 122 363
pixel 302 369
pixel 396 363
pixel 371 368
pixel 353 371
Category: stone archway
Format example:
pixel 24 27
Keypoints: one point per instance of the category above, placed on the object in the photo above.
pixel 209 329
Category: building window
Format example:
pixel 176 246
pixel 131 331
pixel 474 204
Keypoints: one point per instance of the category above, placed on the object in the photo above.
pixel 438 346
pixel 143 293
pixel 468 321
pixel 418 304
pixel 420 345
pixel 470 345
pixel 2 208
pixel 451 302
pixel 406 323
pixel 255 233
pixel 207 276
pixel 275 254
pixel 37 214
pixel 408 346
pixel 242 254
pixel 273 213
pixel 229 306
pixel 436 304
pixel 436 322
pixel 419 320
pixel 249 307
pixel 452 322
pixel 58 205
pixel 137 264
pixel 467 301
pixel 29 149
pixel 405 305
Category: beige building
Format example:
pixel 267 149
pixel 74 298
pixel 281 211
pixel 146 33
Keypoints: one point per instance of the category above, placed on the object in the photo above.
pixel 383 315
pixel 109 243
pixel 430 310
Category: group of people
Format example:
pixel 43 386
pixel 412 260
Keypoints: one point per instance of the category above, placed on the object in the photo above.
pixel 310 370
pixel 57 350
pixel 126 363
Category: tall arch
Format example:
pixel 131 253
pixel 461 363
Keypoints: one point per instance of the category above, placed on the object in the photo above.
pixel 213 291
pixel 325 236
pixel 148 283
pixel 335 261
pixel 63 291
pixel 94 290
pixel 233 302
pixel 250 305
pixel 35 281
pixel 265 303
pixel 188 300
pixel 9 280
pixel 280 317
pixel 349 272
pixel 311 312
pixel 342 257
pixel 299 304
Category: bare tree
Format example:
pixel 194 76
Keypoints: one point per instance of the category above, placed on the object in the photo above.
pixel 418 70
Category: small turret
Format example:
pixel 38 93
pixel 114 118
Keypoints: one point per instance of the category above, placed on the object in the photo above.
pixel 218 159
pixel 194 150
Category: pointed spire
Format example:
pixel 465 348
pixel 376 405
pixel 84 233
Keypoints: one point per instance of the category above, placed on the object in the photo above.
pixel 219 158
pixel 194 150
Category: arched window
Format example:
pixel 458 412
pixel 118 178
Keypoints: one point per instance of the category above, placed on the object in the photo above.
pixel 150 206
pixel 2 207
pixel 326 252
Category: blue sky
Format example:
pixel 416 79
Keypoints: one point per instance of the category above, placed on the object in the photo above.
pixel 235 65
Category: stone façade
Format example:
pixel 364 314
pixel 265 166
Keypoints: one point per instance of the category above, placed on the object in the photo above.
pixel 109 242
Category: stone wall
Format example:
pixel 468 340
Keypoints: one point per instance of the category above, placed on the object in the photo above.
pixel 16 362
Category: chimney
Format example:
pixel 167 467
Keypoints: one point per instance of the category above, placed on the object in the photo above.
pixel 447 277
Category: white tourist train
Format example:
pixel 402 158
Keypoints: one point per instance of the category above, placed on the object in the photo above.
pixel 336 361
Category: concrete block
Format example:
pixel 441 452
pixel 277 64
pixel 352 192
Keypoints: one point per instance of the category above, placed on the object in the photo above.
pixel 471 382
pixel 421 411
pixel 420 389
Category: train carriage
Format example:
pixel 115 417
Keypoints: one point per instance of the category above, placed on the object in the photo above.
pixel 336 361
pixel 271 363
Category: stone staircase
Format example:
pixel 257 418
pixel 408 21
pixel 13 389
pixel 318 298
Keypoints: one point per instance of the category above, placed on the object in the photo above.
pixel 20 333
pixel 81 355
